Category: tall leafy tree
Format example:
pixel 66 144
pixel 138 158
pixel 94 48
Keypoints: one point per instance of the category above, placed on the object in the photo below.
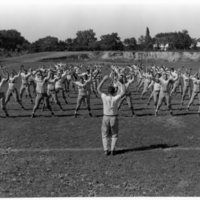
pixel 176 40
pixel 130 43
pixel 12 40
pixel 48 43
pixel 141 42
pixel 85 40
pixel 148 40
pixel 69 44
pixel 110 42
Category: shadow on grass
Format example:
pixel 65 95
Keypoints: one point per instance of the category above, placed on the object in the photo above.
pixel 97 104
pixel 145 114
pixel 29 116
pixel 121 115
pixel 65 115
pixel 18 116
pixel 144 108
pixel 146 148
pixel 97 108
pixel 185 113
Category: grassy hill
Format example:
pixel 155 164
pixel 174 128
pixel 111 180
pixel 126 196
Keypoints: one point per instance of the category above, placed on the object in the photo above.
pixel 171 59
pixel 106 56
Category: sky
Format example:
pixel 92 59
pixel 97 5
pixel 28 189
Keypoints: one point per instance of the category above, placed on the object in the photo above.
pixel 129 18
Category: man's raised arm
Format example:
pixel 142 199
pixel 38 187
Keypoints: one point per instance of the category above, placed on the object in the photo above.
pixel 121 88
pixel 99 88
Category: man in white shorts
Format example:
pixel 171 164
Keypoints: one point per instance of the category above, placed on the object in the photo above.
pixel 12 89
pixel 83 94
pixel 2 94
pixel 41 92
pixel 127 82
pixel 61 76
pixel 25 83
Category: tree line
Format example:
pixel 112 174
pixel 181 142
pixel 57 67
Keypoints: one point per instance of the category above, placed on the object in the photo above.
pixel 86 40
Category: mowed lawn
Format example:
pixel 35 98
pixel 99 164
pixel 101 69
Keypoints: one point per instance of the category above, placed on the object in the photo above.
pixel 62 155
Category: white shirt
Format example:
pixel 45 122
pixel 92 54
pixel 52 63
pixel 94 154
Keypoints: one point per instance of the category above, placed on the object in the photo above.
pixel 110 104
pixel 164 84
pixel 156 86
pixel 196 86
pixel 60 80
pixel 11 82
pixel 186 78
pixel 174 75
pixel 51 84
pixel 25 78
pixel 40 85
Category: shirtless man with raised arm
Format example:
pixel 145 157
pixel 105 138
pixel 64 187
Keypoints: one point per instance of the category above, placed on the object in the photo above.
pixel 196 90
pixel 127 95
pixel 186 85
pixel 12 89
pixel 61 76
pixel 51 91
pixel 164 91
pixel 83 94
pixel 41 92
pixel 2 94
pixel 25 83
pixel 156 90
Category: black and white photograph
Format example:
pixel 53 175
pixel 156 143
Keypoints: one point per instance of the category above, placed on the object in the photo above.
pixel 99 98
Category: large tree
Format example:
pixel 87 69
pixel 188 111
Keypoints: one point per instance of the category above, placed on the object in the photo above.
pixel 110 42
pixel 45 44
pixel 148 45
pixel 145 42
pixel 130 43
pixel 141 42
pixel 12 40
pixel 85 40
pixel 176 40
pixel 69 44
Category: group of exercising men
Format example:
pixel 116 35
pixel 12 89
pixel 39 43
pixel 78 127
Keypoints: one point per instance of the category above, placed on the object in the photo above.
pixel 44 84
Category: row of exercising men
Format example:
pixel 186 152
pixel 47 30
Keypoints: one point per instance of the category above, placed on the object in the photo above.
pixel 47 83
pixel 163 83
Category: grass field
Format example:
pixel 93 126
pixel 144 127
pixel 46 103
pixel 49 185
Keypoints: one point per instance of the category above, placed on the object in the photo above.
pixel 62 156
